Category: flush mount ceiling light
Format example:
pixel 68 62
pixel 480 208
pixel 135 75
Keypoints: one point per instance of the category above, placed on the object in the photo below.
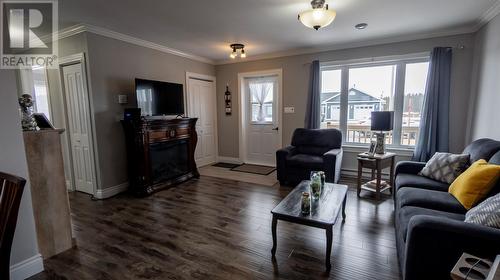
pixel 319 16
pixel 237 49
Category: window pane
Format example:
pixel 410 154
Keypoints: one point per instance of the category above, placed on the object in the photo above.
pixel 370 89
pixel 41 92
pixel 415 82
pixel 330 98
pixel 261 97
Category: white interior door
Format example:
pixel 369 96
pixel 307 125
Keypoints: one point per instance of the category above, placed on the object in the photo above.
pixel 202 105
pixel 78 113
pixel 261 120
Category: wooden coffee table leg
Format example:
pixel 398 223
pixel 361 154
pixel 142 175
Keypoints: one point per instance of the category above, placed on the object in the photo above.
pixel 275 223
pixel 329 238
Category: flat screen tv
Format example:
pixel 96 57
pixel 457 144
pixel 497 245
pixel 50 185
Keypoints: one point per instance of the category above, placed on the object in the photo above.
pixel 157 98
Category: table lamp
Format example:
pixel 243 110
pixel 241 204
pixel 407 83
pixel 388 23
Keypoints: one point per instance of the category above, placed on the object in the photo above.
pixel 382 121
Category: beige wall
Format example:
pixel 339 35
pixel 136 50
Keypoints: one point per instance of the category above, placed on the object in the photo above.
pixel 13 161
pixel 113 66
pixel 296 71
pixel 484 116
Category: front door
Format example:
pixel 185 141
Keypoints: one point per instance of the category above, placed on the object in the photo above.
pixel 80 131
pixel 261 120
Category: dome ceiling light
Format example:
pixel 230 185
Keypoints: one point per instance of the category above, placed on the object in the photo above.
pixel 319 16
pixel 237 48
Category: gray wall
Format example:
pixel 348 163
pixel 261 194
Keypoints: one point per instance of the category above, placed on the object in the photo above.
pixel 296 80
pixel 13 160
pixel 484 116
pixel 113 66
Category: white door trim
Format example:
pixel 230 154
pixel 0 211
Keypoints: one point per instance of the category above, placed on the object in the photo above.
pixel 242 108
pixel 65 61
pixel 209 78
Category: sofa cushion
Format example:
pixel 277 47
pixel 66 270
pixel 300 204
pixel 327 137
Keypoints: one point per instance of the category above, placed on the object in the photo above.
pixel 487 213
pixel 445 167
pixel 472 186
pixel 311 161
pixel 436 200
pixel 495 159
pixel 482 149
pixel 316 141
pixel 417 181
pixel 408 212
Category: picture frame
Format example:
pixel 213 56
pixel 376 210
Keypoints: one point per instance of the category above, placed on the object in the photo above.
pixel 373 147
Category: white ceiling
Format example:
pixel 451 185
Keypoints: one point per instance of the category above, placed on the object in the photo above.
pixel 207 27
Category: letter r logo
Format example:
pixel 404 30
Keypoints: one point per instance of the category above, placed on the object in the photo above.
pixel 26 23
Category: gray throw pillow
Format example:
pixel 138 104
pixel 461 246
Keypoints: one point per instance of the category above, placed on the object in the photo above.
pixel 487 213
pixel 445 167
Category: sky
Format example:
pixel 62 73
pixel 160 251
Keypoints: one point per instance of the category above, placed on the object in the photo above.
pixel 378 80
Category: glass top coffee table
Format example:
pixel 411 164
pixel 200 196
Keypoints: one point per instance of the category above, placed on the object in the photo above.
pixel 324 212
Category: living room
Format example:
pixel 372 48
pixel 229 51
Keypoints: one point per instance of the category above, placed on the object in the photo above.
pixel 258 101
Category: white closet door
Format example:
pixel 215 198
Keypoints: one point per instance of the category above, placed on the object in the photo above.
pixel 202 105
pixel 78 111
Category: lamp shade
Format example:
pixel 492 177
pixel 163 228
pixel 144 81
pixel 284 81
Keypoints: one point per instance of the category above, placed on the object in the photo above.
pixel 317 18
pixel 382 120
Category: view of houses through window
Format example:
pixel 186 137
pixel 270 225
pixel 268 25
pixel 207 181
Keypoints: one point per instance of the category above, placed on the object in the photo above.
pixel 374 87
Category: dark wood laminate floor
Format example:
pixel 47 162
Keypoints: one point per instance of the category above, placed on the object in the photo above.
pixel 220 229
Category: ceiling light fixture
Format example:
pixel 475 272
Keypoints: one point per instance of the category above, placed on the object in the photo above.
pixel 319 16
pixel 361 26
pixel 237 48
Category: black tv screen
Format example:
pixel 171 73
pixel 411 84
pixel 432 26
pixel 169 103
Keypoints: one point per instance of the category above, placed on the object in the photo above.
pixel 157 98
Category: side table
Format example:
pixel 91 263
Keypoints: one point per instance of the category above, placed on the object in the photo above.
pixel 376 163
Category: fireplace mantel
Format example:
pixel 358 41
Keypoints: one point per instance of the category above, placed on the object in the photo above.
pixel 160 153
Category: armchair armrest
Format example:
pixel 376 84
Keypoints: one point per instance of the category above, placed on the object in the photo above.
pixel 436 243
pixel 286 151
pixel 409 167
pixel 332 161
pixel 281 156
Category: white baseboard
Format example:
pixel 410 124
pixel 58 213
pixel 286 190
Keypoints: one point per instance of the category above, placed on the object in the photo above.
pixel 229 160
pixel 111 191
pixel 27 268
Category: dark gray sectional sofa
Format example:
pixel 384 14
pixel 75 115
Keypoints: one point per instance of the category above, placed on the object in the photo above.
pixel 431 234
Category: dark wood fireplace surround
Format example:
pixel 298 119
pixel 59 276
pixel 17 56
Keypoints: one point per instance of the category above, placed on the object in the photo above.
pixel 160 153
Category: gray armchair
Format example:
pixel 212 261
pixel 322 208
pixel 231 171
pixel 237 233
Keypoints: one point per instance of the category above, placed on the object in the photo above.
pixel 311 150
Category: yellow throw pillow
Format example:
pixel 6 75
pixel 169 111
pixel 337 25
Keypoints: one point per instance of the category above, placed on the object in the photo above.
pixel 475 183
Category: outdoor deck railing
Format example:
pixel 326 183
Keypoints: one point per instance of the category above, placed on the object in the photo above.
pixel 361 133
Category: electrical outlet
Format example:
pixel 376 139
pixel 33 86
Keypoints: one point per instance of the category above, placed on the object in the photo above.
pixel 289 110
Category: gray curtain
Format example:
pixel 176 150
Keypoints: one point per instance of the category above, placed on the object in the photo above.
pixel 434 121
pixel 313 110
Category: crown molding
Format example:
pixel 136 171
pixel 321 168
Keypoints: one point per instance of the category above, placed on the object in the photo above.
pixel 491 13
pixel 80 28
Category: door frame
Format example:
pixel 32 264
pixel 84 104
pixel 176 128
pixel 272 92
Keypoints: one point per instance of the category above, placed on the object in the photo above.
pixel 80 58
pixel 243 108
pixel 208 78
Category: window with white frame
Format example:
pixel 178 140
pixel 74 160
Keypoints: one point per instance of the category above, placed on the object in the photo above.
pixel 351 91
pixel 34 82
